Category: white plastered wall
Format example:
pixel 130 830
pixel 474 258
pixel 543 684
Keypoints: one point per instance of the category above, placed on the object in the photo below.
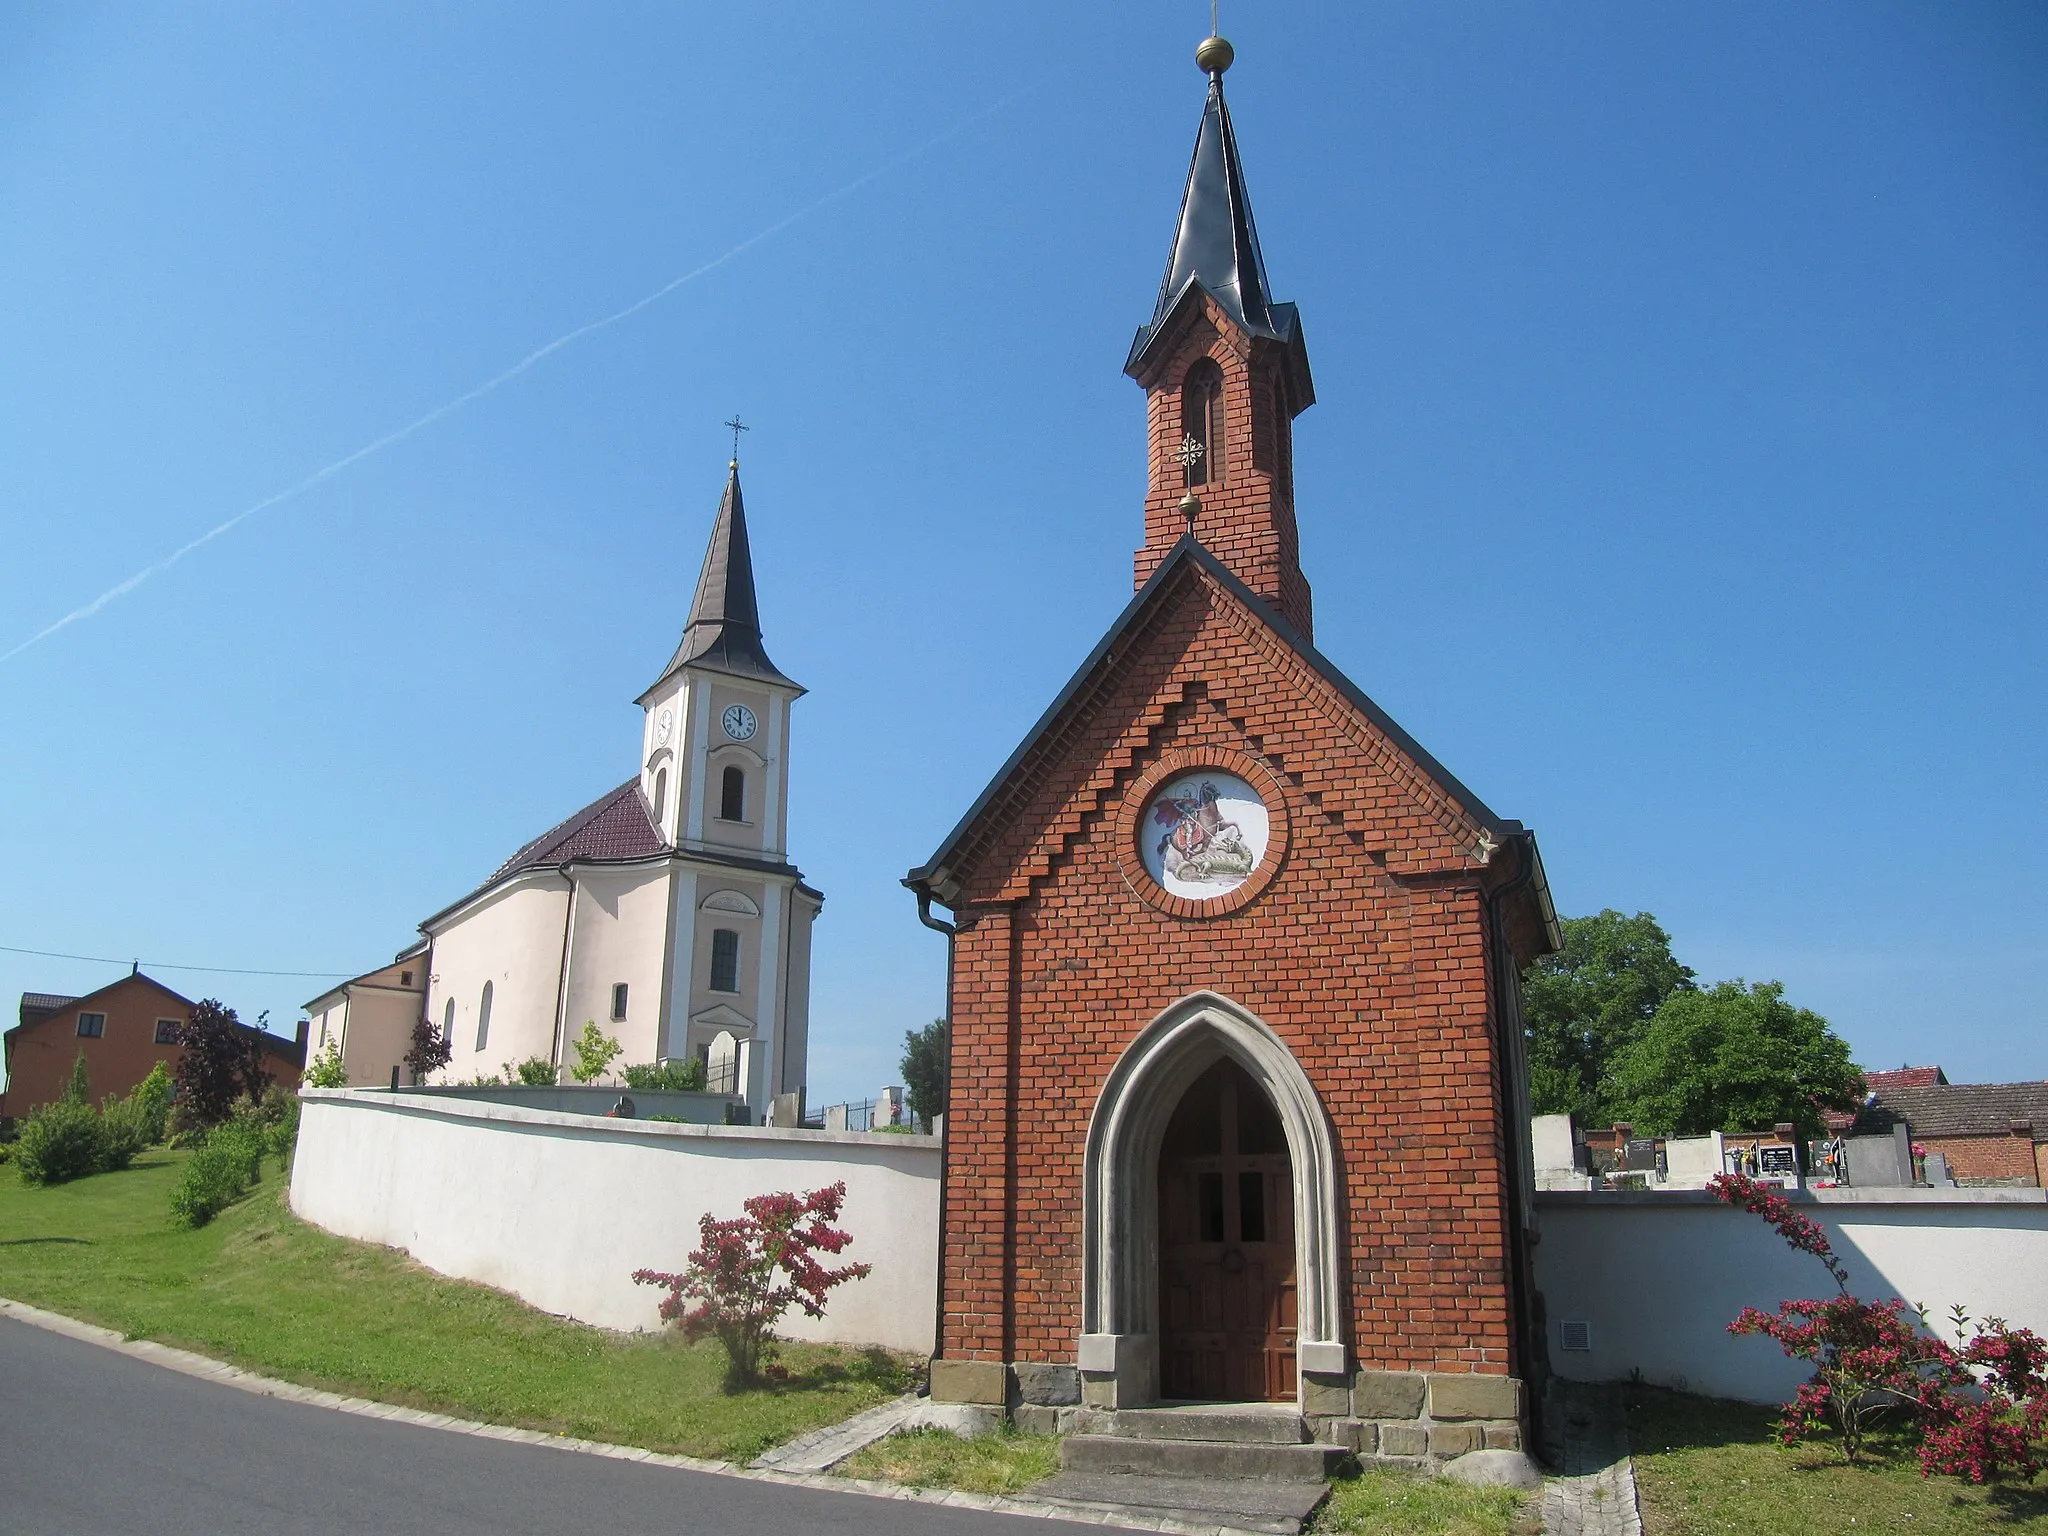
pixel 378 1033
pixel 511 938
pixel 621 930
pixel 561 1209
pixel 1659 1277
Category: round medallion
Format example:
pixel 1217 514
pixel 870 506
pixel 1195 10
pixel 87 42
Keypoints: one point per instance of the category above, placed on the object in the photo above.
pixel 739 721
pixel 1203 834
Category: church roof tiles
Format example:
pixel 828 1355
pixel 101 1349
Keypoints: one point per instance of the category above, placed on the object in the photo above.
pixel 616 826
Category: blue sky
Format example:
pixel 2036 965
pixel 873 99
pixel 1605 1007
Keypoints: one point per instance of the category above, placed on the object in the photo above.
pixel 1678 476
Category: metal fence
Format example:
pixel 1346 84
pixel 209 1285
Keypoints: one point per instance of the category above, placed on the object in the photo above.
pixel 861 1115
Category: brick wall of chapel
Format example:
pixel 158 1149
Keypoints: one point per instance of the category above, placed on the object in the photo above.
pixel 1366 955
pixel 1247 519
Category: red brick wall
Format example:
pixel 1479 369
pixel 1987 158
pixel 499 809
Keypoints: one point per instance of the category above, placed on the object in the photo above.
pixel 1366 955
pixel 1247 521
pixel 1986 1157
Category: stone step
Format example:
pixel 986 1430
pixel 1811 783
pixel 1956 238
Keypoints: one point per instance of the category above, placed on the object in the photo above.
pixel 1240 1423
pixel 1201 1458
pixel 1273 1509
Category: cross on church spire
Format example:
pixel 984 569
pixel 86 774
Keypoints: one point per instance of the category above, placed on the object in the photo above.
pixel 738 427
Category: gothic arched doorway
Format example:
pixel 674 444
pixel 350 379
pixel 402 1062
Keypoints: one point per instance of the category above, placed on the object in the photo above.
pixel 1227 1302
pixel 1121 1315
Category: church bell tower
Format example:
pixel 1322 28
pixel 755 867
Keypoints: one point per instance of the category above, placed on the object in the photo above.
pixel 1225 372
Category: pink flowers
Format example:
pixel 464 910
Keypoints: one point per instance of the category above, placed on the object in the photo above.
pixel 731 1288
pixel 1982 1408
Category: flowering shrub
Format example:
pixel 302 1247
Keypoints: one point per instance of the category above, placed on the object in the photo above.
pixel 1981 1405
pixel 748 1272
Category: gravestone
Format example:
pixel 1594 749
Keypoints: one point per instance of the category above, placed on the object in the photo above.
pixel 1641 1156
pixel 1879 1162
pixel 1779 1162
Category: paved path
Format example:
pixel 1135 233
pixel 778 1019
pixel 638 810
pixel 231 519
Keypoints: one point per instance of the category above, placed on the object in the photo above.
pixel 1594 1491
pixel 93 1440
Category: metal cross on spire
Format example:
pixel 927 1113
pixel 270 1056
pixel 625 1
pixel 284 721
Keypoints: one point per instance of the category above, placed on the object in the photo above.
pixel 738 427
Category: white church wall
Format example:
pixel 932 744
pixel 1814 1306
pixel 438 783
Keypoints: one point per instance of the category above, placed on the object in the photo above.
pixel 377 1033
pixel 1658 1277
pixel 511 938
pixel 621 929
pixel 561 1209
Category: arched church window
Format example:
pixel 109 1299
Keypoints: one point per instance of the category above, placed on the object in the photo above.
pixel 1201 423
pixel 448 1023
pixel 732 795
pixel 483 1017
pixel 660 792
pixel 725 960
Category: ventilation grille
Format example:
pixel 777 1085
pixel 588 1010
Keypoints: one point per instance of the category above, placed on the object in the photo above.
pixel 1575 1335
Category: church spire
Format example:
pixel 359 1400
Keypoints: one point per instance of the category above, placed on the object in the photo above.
pixel 724 631
pixel 1225 372
pixel 1215 243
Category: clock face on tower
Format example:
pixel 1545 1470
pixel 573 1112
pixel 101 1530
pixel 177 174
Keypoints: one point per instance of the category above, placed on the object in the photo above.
pixel 739 721
pixel 664 723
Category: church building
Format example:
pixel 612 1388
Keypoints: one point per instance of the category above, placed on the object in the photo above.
pixel 1238 1101
pixel 667 911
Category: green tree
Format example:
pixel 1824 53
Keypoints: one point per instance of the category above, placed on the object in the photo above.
pixel 79 1089
pixel 924 1069
pixel 595 1052
pixel 325 1070
pixel 1733 1057
pixel 1585 1004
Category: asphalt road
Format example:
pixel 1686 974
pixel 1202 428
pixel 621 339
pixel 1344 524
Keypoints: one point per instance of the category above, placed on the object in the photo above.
pixel 92 1441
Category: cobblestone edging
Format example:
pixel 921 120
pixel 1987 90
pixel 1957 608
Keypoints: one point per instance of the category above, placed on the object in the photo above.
pixel 190 1364
pixel 1594 1490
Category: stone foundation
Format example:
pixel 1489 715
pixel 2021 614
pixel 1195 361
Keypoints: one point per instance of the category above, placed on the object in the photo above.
pixel 1404 1418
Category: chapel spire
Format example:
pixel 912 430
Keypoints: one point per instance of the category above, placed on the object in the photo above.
pixel 1215 243
pixel 1225 372
pixel 724 630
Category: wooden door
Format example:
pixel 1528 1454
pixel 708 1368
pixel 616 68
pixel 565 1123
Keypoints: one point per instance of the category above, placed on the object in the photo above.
pixel 1226 1246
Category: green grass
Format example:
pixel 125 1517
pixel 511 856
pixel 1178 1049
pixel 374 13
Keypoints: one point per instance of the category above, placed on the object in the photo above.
pixel 1704 1467
pixel 262 1289
pixel 1003 1462
pixel 1396 1503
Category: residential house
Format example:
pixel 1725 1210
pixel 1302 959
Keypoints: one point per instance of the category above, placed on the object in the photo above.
pixel 123 1030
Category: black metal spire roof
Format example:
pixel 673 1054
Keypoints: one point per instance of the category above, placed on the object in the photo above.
pixel 724 632
pixel 1216 245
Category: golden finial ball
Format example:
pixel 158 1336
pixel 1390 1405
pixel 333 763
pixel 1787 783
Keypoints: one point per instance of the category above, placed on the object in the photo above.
pixel 1214 54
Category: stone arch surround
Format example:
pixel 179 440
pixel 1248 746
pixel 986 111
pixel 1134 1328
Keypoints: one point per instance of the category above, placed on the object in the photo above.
pixel 1120 1202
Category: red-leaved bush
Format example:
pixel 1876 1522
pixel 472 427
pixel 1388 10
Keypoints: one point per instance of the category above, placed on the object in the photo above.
pixel 746 1273
pixel 1981 1406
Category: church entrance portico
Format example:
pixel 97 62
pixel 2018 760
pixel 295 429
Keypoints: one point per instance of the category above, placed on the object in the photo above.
pixel 1209 1207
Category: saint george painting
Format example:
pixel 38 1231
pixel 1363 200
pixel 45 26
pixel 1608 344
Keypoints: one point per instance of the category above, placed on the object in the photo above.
pixel 1203 834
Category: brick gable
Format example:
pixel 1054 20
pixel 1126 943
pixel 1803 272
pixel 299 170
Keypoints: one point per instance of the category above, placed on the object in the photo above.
pixel 1368 954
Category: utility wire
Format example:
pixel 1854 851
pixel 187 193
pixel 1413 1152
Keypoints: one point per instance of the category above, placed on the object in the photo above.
pixel 165 965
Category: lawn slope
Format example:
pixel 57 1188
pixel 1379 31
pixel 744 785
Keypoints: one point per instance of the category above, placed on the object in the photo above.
pixel 264 1290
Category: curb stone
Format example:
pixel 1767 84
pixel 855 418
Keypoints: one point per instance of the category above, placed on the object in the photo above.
pixel 187 1363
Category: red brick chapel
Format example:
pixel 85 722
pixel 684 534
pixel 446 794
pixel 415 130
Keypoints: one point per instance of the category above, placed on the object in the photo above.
pixel 1238 1107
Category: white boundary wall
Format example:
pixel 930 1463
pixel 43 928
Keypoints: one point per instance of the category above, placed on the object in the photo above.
pixel 1660 1276
pixel 561 1209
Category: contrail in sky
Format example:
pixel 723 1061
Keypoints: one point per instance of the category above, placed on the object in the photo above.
pixel 328 471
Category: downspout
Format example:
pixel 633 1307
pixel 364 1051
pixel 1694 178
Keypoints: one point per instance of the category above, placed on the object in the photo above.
pixel 562 984
pixel 1514 1084
pixel 952 933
